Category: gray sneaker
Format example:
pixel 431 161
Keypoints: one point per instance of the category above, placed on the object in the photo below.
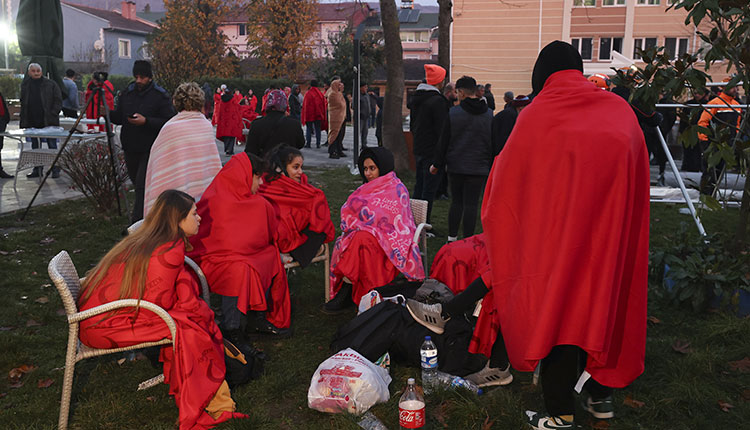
pixel 491 376
pixel 429 316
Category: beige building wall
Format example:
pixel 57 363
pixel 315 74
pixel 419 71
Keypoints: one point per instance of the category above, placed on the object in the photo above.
pixel 498 42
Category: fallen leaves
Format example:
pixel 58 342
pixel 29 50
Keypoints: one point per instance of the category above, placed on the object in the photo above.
pixel 724 406
pixel 16 374
pixel 151 398
pixel 653 320
pixel 46 241
pixel 742 366
pixel 487 424
pixel 42 300
pixel 600 425
pixel 633 403
pixel 682 346
pixel 32 323
pixel 44 383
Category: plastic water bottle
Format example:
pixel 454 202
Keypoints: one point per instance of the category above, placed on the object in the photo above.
pixel 429 355
pixel 453 381
pixel 370 422
pixel 411 408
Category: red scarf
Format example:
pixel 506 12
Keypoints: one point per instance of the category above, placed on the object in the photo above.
pixel 566 218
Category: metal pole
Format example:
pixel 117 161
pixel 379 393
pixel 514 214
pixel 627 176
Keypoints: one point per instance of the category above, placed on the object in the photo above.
pixel 355 94
pixel 676 172
pixel 5 46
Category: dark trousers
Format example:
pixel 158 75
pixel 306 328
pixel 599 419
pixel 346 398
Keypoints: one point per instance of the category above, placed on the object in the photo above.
pixel 231 317
pixel 309 127
pixel 427 184
pixel 337 147
pixel 692 158
pixel 70 113
pixel 465 191
pixel 559 374
pixel 36 143
pixel 136 162
pixel 363 133
pixel 228 144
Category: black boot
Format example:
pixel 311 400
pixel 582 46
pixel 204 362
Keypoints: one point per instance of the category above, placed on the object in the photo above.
pixel 259 324
pixel 341 302
pixel 4 174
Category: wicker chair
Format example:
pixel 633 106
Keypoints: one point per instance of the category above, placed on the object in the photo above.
pixel 190 263
pixel 65 277
pixel 419 211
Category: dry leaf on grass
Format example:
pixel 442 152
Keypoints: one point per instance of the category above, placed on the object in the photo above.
pixel 60 312
pixel 4 252
pixel 724 406
pixel 600 425
pixel 151 398
pixel 633 403
pixel 76 251
pixel 120 361
pixel 44 383
pixel 46 241
pixel 487 424
pixel 32 323
pixel 742 366
pixel 16 373
pixel 42 300
pixel 746 395
pixel 654 320
pixel 682 346
pixel 6 328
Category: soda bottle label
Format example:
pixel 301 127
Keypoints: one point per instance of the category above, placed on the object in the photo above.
pixel 411 418
pixel 429 359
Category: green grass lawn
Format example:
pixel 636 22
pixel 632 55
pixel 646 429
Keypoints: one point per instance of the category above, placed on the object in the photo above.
pixel 677 391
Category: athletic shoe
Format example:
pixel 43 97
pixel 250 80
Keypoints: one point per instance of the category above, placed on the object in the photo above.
pixel 491 376
pixel 602 409
pixel 429 316
pixel 546 422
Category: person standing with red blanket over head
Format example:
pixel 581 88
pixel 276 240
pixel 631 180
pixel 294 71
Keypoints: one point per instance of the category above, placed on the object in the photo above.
pixel 217 104
pixel 566 222
pixel 313 113
pixel 377 231
pixel 304 216
pixel 95 109
pixel 229 127
pixel 149 265
pixel 237 251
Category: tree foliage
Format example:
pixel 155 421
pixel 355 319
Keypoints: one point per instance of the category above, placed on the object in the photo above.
pixel 727 37
pixel 279 34
pixel 341 61
pixel 188 43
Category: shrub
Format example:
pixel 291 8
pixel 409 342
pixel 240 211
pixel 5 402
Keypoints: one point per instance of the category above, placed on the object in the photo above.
pixel 10 87
pixel 89 167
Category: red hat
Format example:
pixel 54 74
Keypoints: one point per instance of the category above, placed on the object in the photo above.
pixel 434 74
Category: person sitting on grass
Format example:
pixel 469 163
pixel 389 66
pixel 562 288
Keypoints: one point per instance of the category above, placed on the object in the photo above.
pixel 377 231
pixel 304 216
pixel 236 249
pixel 148 265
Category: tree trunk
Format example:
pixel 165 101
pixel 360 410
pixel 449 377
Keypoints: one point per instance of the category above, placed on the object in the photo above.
pixel 393 133
pixel 444 36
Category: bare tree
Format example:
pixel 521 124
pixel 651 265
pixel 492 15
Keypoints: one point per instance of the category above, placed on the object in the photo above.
pixel 393 133
pixel 444 36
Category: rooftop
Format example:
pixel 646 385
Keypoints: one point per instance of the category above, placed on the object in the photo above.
pixel 115 19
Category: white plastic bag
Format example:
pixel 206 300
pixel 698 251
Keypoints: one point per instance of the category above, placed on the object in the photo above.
pixel 348 382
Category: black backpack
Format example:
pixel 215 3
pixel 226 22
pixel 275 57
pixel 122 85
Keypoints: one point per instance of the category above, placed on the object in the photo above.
pixel 243 363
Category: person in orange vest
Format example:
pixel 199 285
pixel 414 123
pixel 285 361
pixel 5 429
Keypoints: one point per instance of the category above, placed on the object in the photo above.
pixel 722 116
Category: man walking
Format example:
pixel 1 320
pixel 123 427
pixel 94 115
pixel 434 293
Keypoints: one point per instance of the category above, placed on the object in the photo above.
pixel 70 95
pixel 41 101
pixel 428 111
pixel 142 110
pixel 364 113
pixel 313 113
pixel 465 146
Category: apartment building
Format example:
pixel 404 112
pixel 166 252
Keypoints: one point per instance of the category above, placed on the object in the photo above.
pixel 498 42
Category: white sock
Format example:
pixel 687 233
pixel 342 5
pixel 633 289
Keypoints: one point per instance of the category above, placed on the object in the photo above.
pixel 452 238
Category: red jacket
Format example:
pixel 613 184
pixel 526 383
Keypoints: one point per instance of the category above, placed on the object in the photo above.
pixel 313 106
pixel 230 119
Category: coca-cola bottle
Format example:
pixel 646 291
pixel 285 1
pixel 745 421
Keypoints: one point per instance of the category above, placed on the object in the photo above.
pixel 411 408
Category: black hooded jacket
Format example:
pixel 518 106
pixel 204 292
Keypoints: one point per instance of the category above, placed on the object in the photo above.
pixel 466 141
pixel 428 112
pixel 154 103
pixel 382 157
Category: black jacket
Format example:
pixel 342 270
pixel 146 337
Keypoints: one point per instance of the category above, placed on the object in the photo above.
pixel 490 100
pixel 272 130
pixel 428 112
pixel 295 106
pixel 466 141
pixel 502 125
pixel 51 104
pixel 154 103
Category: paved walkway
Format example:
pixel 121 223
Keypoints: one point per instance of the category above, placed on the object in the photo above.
pixel 58 189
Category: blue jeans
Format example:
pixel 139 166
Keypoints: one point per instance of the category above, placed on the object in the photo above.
pixel 36 144
pixel 309 126
pixel 427 183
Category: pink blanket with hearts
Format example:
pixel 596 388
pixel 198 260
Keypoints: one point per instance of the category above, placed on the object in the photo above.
pixel 381 207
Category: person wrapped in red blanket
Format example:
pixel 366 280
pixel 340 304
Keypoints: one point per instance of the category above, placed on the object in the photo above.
pixel 458 263
pixel 304 216
pixel 95 109
pixel 236 249
pixel 149 265
pixel 377 231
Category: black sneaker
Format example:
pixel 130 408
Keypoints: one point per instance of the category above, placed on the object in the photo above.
pixel 34 174
pixel 538 421
pixel 341 303
pixel 602 409
pixel 5 175
pixel 263 326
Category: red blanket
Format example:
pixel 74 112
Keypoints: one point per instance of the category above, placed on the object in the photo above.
pixel 313 106
pixel 96 108
pixel 193 382
pixel 380 209
pixel 300 206
pixel 565 214
pixel 458 263
pixel 235 243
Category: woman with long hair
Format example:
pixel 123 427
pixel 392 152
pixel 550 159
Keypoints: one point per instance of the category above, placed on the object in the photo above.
pixel 148 265
pixel 377 231
pixel 304 215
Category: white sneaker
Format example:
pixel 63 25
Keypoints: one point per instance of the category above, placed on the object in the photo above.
pixel 429 316
pixel 491 376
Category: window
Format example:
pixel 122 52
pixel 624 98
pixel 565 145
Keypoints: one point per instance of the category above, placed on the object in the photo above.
pixel 242 30
pixel 642 44
pixel 649 2
pixel 613 2
pixel 607 45
pixel 123 48
pixel 674 47
pixel 584 2
pixel 584 46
